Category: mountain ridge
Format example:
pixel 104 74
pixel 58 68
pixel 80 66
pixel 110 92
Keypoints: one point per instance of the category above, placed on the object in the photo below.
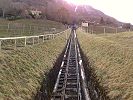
pixel 62 11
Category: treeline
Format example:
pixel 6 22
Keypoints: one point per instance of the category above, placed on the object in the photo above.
pixel 57 10
pixel 19 8
pixel 49 9
pixel 9 8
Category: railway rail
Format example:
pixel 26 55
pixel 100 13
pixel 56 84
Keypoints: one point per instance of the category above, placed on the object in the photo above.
pixel 71 81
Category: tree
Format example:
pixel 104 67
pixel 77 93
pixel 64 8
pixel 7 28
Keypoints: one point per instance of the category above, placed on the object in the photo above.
pixel 127 26
pixel 19 8
pixel 63 15
pixel 102 21
pixel 108 21
pixel 5 6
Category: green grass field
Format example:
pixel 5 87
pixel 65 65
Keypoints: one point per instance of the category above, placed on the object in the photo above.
pixel 111 56
pixel 125 39
pixel 22 70
pixel 28 27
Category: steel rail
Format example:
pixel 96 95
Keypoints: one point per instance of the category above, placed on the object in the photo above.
pixel 71 83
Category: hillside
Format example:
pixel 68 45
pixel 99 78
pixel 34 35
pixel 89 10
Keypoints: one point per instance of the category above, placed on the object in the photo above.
pixel 64 12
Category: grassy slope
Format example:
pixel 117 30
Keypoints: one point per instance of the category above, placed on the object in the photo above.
pixel 112 61
pixel 35 29
pixel 21 71
pixel 125 39
pixel 33 22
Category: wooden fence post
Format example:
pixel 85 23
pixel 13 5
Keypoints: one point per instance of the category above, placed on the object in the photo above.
pixel 37 28
pixel 0 45
pixel 88 30
pixel 52 36
pixel 30 29
pixel 15 44
pixel 33 40
pixel 92 30
pixel 43 38
pixel 8 27
pixel 38 39
pixel 23 28
pixel 116 30
pixel 104 30
pixel 25 42
pixel 46 36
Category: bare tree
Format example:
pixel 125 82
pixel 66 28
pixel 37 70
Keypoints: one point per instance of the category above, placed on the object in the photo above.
pixel 5 6
pixel 63 14
pixel 127 26
pixel 102 21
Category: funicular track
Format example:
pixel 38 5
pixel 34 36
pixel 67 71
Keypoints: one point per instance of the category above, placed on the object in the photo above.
pixel 71 82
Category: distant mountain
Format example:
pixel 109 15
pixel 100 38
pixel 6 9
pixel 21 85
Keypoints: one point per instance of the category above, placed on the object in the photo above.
pixel 60 10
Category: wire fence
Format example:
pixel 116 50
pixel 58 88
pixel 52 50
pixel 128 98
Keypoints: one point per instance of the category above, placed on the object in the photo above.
pixel 104 29
pixel 17 29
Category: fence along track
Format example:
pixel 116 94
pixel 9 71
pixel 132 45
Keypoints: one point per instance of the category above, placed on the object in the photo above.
pixel 70 84
pixel 45 36
pixel 104 29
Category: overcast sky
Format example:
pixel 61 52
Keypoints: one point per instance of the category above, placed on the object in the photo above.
pixel 122 10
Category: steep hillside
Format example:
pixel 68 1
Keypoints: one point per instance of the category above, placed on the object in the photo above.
pixel 60 10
